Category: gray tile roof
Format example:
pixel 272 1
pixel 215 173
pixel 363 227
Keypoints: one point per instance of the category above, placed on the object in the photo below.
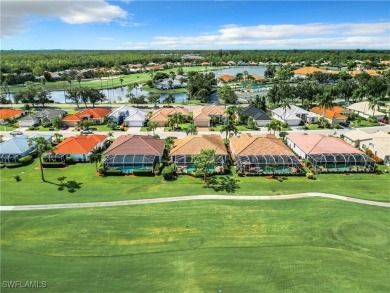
pixel 256 113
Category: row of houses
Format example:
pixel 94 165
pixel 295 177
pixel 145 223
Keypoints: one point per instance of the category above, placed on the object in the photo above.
pixel 252 154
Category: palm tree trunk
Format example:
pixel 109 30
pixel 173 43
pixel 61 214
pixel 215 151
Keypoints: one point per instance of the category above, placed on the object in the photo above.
pixel 41 167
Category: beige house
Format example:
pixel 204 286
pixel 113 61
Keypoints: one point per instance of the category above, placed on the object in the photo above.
pixel 378 142
pixel 162 115
pixel 203 115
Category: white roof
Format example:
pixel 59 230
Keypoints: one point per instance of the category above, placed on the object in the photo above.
pixel 358 134
pixel 126 111
pixel 137 116
pixel 285 114
pixel 363 107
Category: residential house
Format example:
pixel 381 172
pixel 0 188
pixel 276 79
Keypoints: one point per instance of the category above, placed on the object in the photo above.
pixel 184 148
pixel 334 115
pixel 263 154
pixel 162 115
pixel 377 142
pixel 226 78
pixel 329 154
pixel 17 147
pixel 80 147
pixel 294 115
pixel 95 115
pixel 203 116
pixel 259 116
pixel 10 113
pixel 134 152
pixel 36 119
pixel 363 110
pixel 304 71
pixel 131 116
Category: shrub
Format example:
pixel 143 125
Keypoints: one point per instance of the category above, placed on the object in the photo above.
pixel 112 172
pixel 53 164
pixel 310 176
pixel 2 166
pixel 17 178
pixel 13 165
pixel 25 160
pixel 143 173
pixel 69 161
pixel 168 173
pixel 33 128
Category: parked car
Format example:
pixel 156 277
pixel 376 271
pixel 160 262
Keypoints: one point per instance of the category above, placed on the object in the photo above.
pixel 64 127
pixel 86 131
pixel 16 132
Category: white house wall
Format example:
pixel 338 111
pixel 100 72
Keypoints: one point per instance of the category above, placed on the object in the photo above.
pixel 295 148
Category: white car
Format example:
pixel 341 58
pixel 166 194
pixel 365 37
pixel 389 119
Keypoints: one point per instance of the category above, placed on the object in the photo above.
pixel 16 132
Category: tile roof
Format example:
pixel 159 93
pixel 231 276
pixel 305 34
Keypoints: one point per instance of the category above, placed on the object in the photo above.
pixel 368 71
pixel 131 144
pixel 257 77
pixel 332 113
pixel 8 113
pixel 163 114
pixel 95 113
pixel 80 144
pixel 262 144
pixel 15 145
pixel 193 144
pixel 256 113
pixel 364 107
pixel 205 113
pixel 48 113
pixel 322 144
pixel 309 70
pixel 226 77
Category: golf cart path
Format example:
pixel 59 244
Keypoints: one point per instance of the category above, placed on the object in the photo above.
pixel 191 197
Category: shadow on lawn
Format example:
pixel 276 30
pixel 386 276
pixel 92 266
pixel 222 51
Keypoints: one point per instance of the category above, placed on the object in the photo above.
pixel 70 185
pixel 227 183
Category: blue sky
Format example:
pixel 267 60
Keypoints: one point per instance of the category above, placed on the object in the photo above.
pixel 102 24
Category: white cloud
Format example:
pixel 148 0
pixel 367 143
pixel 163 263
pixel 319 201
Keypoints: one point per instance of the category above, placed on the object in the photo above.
pixel 72 11
pixel 312 35
pixel 106 39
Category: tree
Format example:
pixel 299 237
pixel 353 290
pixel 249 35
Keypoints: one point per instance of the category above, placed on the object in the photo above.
pixel 169 141
pixel 285 105
pixel 251 124
pixel 154 99
pixel 203 162
pixel 270 71
pixel 169 99
pixel 69 80
pixel 227 95
pixel 259 102
pixel 151 126
pixel 95 157
pixel 170 83
pixel 191 129
pixel 78 78
pixel 91 95
pixel 43 96
pixel 74 95
pixel 374 104
pixel 58 137
pixel 41 146
pixel 175 120
pixel 325 100
pixel 229 127
pixel 121 80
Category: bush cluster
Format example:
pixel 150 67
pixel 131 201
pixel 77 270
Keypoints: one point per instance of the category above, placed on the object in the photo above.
pixel 143 173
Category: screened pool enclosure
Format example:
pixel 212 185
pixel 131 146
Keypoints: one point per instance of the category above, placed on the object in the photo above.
pixel 9 158
pixel 129 163
pixel 268 164
pixel 184 164
pixel 341 162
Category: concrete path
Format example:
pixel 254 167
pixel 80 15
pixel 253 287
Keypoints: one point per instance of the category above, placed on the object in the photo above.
pixel 191 197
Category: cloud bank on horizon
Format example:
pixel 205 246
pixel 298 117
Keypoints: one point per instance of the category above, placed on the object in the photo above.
pixel 20 18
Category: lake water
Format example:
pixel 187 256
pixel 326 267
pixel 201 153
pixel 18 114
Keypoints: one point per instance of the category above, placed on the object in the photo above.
pixel 119 94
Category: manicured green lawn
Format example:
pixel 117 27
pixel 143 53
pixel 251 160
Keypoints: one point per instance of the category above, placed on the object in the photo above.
pixel 364 123
pixel 30 190
pixel 303 245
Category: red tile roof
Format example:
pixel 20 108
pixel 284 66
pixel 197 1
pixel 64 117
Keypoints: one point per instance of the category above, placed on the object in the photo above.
pixel 136 145
pixel 95 113
pixel 332 113
pixel 226 77
pixel 193 144
pixel 309 70
pixel 80 144
pixel 322 144
pixel 8 113
pixel 262 144
pixel 163 114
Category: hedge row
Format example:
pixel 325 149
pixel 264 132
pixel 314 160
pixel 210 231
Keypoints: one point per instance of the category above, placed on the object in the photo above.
pixel 143 173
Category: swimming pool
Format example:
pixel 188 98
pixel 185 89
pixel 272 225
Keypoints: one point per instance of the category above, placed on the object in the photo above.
pixel 130 169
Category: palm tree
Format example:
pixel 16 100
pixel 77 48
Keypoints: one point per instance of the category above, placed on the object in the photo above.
pixel 175 119
pixel 373 104
pixel 95 157
pixel 325 101
pixel 285 105
pixel 191 129
pixel 58 137
pixel 121 80
pixel 229 127
pixel 41 146
pixel 151 126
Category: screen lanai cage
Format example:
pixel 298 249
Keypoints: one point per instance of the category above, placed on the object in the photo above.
pixel 9 158
pixel 268 164
pixel 129 163
pixel 341 162
pixel 184 164
pixel 54 158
